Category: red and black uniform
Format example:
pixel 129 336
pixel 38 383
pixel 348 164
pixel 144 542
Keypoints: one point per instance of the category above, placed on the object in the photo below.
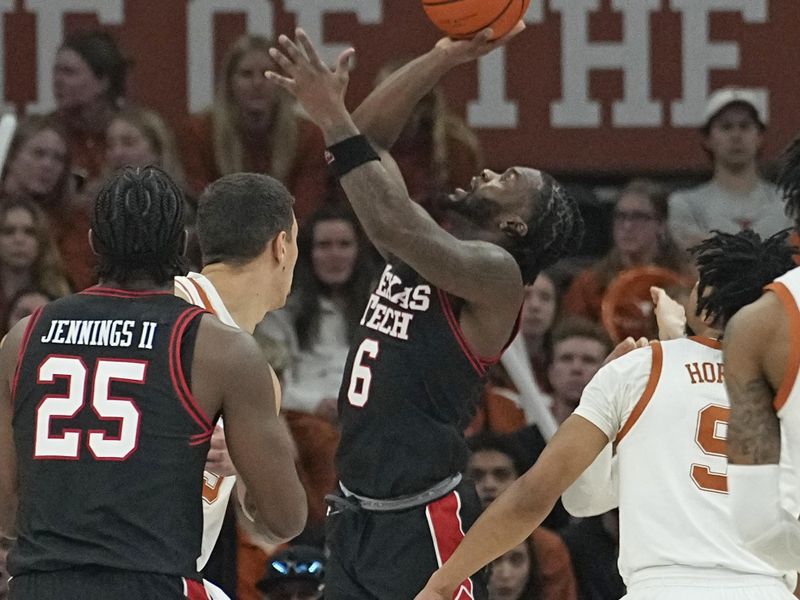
pixel 110 449
pixel 410 387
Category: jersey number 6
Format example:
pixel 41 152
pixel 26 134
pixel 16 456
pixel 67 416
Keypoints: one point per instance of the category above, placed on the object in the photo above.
pixel 107 408
pixel 361 376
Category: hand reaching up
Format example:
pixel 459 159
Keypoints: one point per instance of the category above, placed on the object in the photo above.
pixel 319 89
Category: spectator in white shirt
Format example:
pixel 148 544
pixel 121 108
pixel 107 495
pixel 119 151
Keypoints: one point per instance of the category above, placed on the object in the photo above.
pixel 736 197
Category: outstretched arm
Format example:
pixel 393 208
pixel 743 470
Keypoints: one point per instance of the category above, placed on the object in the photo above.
pixel 479 272
pixel 384 113
pixel 754 436
pixel 522 507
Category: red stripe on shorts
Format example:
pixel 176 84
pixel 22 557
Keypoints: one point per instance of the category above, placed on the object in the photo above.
pixel 447 531
pixel 194 590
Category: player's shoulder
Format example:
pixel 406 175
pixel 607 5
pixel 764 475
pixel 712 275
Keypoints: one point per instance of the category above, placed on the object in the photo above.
pixel 760 320
pixel 625 371
pixel 634 359
pixel 223 343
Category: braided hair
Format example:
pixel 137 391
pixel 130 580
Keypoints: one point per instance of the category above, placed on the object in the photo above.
pixel 735 267
pixel 554 231
pixel 789 180
pixel 138 226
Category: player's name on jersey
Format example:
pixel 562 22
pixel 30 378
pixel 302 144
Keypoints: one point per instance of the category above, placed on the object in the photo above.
pixel 705 372
pixel 115 333
pixel 395 320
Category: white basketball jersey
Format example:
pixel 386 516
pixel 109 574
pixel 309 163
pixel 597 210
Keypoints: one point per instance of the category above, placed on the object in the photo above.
pixel 787 398
pixel 216 490
pixel 670 432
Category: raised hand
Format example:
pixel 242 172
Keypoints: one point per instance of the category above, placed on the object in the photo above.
pixel 462 51
pixel 670 315
pixel 319 89
pixel 219 460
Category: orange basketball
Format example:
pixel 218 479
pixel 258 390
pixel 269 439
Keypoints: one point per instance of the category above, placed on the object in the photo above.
pixel 465 18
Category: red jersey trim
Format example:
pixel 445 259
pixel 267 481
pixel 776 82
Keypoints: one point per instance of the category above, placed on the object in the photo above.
pixel 179 383
pixel 649 390
pixel 455 327
pixel 452 320
pixel 107 291
pixel 793 361
pixel 22 347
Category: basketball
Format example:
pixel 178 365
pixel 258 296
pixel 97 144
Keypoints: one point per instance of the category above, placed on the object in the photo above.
pixel 461 19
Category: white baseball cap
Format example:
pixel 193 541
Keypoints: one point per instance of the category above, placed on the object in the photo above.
pixel 723 98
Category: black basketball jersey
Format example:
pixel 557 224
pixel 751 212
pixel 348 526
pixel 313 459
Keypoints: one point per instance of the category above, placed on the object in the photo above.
pixel 110 442
pixel 410 387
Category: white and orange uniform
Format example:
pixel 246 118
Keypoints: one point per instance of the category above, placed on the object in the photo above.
pixel 216 490
pixel 766 525
pixel 666 408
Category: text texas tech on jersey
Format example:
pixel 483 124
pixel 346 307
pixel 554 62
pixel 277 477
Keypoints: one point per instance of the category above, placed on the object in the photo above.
pixel 410 387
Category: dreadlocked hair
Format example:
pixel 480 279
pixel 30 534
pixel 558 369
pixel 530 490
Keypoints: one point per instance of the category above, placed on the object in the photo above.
pixel 554 231
pixel 789 180
pixel 137 227
pixel 734 268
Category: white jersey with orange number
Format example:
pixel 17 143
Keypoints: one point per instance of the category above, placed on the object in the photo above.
pixel 666 408
pixel 787 398
pixel 216 490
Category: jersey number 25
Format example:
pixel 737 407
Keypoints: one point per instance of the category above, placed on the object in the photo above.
pixel 66 445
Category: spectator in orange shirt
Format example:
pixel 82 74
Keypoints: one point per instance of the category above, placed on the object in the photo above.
pixel 89 78
pixel 253 126
pixel 38 169
pixel 640 237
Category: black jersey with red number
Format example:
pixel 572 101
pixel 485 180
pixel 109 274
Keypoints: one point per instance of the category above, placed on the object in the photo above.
pixel 110 442
pixel 410 387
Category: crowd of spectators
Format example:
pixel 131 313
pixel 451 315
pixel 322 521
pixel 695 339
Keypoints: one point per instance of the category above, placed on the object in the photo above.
pixel 57 162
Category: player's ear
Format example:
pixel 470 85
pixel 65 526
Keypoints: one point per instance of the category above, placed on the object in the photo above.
pixel 514 226
pixel 278 247
pixel 91 242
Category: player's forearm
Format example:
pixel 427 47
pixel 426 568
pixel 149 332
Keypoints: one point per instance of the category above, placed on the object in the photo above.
pixel 384 113
pixel 278 517
pixel 766 529
pixel 381 204
pixel 8 514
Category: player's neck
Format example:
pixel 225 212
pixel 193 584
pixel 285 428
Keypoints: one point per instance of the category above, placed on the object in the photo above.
pixel 709 332
pixel 245 291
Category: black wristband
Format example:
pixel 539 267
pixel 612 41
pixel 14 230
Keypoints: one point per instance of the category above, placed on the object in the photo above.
pixel 348 154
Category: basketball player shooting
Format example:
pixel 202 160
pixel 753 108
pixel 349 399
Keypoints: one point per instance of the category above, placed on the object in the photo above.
pixel 445 307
